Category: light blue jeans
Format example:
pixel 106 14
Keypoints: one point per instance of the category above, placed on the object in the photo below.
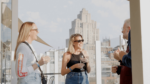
pixel 77 78
pixel 33 78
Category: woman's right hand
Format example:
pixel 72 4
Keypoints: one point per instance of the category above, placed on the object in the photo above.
pixel 79 65
pixel 44 60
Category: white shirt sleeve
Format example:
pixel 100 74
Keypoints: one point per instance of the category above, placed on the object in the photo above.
pixel 21 61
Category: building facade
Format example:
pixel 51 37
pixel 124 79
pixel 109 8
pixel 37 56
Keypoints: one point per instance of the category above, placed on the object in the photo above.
pixel 107 62
pixel 86 27
pixel 106 46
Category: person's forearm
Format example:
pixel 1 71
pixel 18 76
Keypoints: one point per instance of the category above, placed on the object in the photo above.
pixel 127 60
pixel 66 71
pixel 88 67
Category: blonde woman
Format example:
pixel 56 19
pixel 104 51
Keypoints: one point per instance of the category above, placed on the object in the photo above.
pixel 76 71
pixel 26 65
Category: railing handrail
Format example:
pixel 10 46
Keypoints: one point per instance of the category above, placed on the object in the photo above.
pixel 51 73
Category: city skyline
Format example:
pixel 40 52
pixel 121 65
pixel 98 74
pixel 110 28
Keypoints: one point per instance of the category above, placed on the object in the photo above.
pixel 53 21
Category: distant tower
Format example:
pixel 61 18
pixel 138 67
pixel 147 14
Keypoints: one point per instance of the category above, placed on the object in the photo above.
pixel 106 42
pixel 84 26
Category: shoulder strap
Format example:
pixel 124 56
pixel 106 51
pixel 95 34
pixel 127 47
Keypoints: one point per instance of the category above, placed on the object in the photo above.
pixel 34 56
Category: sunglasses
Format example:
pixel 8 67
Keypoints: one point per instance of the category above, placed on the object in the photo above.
pixel 79 41
pixel 34 30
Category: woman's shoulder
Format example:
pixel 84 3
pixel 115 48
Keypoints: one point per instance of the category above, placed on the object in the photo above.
pixel 22 47
pixel 67 54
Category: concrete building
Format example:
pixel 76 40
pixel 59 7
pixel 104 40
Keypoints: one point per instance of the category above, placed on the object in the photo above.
pixel 86 27
pixel 53 68
pixel 107 61
pixel 106 46
pixel 105 42
pixel 107 76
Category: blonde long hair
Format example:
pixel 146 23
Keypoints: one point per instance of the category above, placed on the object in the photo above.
pixel 23 34
pixel 71 40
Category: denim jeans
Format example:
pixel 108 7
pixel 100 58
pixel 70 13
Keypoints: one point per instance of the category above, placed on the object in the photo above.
pixel 77 78
pixel 33 78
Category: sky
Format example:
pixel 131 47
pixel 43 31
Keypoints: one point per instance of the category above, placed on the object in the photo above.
pixel 53 18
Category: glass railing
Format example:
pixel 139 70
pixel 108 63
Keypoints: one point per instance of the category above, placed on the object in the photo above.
pixel 5 67
pixel 52 78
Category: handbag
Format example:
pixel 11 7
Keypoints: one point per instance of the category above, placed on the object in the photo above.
pixel 43 79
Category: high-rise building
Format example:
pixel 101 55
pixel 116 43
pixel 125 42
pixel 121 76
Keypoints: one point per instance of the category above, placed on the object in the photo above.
pixel 106 47
pixel 86 27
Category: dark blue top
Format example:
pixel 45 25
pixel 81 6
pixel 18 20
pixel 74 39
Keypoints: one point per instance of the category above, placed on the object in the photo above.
pixel 127 58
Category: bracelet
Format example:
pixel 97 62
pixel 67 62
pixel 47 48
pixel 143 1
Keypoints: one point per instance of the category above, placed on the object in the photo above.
pixel 70 69
pixel 38 64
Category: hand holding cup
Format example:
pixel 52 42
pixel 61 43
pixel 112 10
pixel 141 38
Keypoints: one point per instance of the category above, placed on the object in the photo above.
pixel 114 69
pixel 116 54
pixel 44 60
pixel 84 60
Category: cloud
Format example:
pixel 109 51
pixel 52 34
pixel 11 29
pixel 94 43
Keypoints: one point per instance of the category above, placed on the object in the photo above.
pixel 58 19
pixel 117 7
pixel 30 19
pixel 65 6
pixel 116 28
pixel 35 16
pixel 70 2
pixel 51 26
pixel 102 13
pixel 64 21
pixel 21 15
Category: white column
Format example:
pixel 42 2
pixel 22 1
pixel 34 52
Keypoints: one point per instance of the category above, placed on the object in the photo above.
pixel 98 63
pixel 56 66
pixel 123 43
pixel 48 65
pixel 140 41
pixel 0 43
pixel 14 34
pixel 14 31
pixel 0 22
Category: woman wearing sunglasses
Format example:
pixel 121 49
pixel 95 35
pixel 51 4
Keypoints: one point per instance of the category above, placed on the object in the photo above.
pixel 76 71
pixel 27 69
